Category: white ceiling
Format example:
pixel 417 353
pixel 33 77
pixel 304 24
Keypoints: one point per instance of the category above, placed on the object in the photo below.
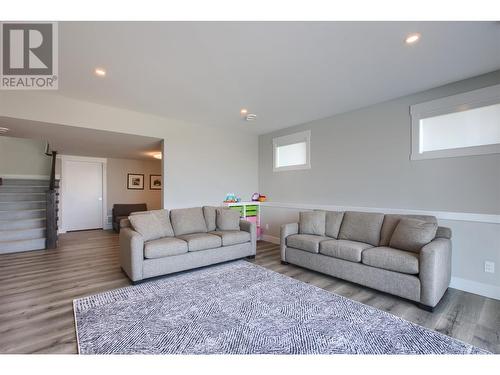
pixel 71 140
pixel 285 72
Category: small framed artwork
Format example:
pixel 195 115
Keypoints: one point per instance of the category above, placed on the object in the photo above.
pixel 135 181
pixel 155 181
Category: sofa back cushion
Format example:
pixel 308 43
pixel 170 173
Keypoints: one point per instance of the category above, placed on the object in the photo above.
pixel 312 222
pixel 412 234
pixel 152 225
pixel 392 220
pixel 228 219
pixel 361 227
pixel 209 213
pixel 188 220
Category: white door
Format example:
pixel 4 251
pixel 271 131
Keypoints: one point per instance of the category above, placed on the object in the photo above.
pixel 82 195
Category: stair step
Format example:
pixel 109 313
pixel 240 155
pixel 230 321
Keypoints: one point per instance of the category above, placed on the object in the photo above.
pixel 21 234
pixel 22 205
pixel 21 181
pixel 22 214
pixel 22 189
pixel 17 197
pixel 22 223
pixel 22 245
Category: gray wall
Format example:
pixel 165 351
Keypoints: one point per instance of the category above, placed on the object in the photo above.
pixel 20 156
pixel 361 158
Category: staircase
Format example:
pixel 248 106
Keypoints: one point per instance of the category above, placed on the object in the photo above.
pixel 22 215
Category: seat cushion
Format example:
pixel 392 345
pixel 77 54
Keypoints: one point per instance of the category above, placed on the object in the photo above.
pixel 361 227
pixel 391 259
pixel 412 234
pixel 209 212
pixel 228 219
pixel 201 241
pixel 392 220
pixel 312 222
pixel 164 247
pixel 343 249
pixel 152 224
pixel 306 242
pixel 232 237
pixel 188 220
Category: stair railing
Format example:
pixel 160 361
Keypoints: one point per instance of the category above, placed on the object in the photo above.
pixel 52 205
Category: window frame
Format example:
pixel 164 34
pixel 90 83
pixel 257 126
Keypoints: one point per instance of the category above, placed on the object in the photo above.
pixel 292 139
pixel 452 104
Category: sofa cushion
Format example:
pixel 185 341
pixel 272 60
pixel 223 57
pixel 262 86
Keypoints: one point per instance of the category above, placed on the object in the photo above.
pixel 164 247
pixel 188 220
pixel 333 223
pixel 412 234
pixel 152 225
pixel 209 213
pixel 391 259
pixel 201 241
pixel 306 242
pixel 312 222
pixel 391 221
pixel 228 219
pixel 232 237
pixel 361 227
pixel 343 249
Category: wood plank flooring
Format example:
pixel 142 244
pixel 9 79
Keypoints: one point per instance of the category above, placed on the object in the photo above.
pixel 37 289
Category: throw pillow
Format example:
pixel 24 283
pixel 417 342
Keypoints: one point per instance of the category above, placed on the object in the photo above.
pixel 412 234
pixel 228 219
pixel 312 222
pixel 152 225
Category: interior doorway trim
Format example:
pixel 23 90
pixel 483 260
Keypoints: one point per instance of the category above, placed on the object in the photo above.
pixel 103 162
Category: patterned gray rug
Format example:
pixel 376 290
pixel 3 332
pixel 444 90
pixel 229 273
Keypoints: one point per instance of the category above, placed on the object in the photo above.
pixel 241 308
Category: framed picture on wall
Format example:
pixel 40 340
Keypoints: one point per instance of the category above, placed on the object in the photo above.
pixel 155 181
pixel 135 181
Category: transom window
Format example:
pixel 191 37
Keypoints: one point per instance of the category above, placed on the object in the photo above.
pixel 458 125
pixel 292 151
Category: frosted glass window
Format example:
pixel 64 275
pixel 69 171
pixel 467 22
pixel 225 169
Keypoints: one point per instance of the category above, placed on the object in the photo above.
pixel 292 151
pixel 469 128
pixel 294 154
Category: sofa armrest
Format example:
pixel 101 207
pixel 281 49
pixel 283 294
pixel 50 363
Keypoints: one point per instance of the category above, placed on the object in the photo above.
pixel 435 270
pixel 287 230
pixel 131 253
pixel 251 228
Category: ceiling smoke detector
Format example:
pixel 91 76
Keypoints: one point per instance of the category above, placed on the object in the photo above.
pixel 251 117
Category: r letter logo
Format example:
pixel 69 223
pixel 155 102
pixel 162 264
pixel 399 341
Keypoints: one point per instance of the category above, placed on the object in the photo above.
pixel 29 56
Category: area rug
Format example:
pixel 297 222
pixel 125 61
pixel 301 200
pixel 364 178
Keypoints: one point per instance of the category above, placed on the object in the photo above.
pixel 241 308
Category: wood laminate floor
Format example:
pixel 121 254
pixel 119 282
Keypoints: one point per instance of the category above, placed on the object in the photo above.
pixel 37 289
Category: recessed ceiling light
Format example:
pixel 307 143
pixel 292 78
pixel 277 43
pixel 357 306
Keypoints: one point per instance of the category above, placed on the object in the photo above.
pixel 251 117
pixel 243 111
pixel 157 155
pixel 100 72
pixel 3 130
pixel 412 38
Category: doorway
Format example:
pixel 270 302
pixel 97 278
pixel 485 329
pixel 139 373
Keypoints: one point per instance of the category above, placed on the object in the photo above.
pixel 83 191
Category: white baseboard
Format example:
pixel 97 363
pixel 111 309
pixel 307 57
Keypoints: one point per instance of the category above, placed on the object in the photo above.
pixel 475 287
pixel 272 239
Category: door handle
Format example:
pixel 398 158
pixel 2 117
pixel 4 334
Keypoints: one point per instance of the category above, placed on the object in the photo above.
pixel 100 198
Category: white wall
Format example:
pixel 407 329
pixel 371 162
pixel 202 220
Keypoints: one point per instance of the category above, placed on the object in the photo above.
pixel 360 159
pixel 201 163
pixel 20 156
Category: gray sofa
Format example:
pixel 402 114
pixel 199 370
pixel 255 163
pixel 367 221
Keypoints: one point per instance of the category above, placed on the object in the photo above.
pixel 405 255
pixel 160 242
